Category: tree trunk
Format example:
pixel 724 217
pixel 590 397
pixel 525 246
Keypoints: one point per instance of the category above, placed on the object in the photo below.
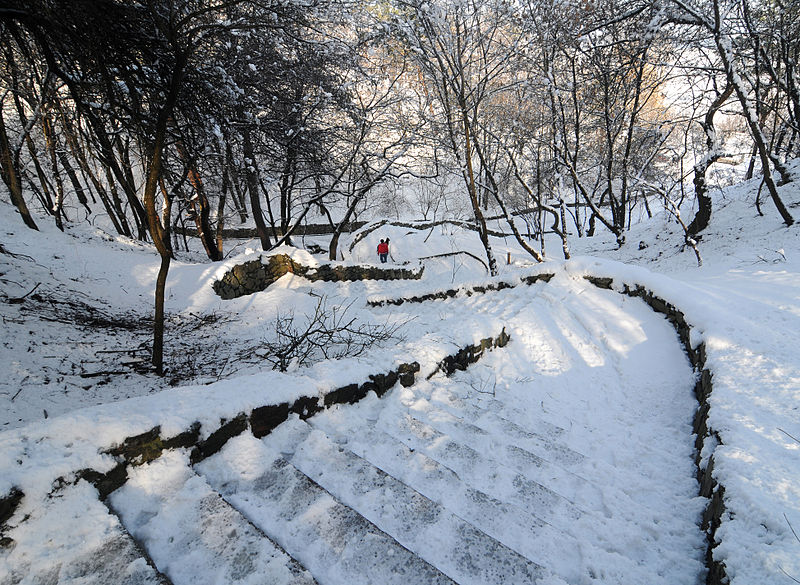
pixel 58 205
pixel 8 170
pixel 509 219
pixel 334 245
pixel 78 152
pixel 200 206
pixel 251 175
pixel 473 195
pixel 153 220
pixel 703 215
pixel 109 159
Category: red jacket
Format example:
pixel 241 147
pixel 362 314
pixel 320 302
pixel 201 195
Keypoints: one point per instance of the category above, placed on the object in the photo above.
pixel 383 248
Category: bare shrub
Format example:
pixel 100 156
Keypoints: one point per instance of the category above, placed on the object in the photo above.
pixel 329 333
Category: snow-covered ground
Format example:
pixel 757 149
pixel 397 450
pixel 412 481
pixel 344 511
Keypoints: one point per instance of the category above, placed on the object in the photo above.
pixel 596 363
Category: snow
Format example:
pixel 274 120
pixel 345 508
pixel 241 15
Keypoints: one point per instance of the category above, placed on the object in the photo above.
pixel 599 366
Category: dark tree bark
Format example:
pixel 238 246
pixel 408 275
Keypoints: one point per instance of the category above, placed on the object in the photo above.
pixel 251 175
pixel 10 174
pixel 703 215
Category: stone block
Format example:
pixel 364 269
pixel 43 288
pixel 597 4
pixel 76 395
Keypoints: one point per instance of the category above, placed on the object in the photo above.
pixel 600 282
pixel 344 395
pixel 218 438
pixel 406 373
pixel 306 406
pixel 140 448
pixel 265 418
pixel 383 382
pixel 9 503
pixel 105 483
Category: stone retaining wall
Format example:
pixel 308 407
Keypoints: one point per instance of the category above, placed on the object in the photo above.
pixel 461 360
pixel 453 292
pixel 256 275
pixel 709 487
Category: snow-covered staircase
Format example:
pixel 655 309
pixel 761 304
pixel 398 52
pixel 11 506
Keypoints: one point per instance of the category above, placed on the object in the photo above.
pixel 192 534
pixel 89 546
pixel 416 488
pixel 438 482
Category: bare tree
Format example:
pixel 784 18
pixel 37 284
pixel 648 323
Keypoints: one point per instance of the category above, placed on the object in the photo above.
pixel 465 54
pixel 328 333
pixel 716 17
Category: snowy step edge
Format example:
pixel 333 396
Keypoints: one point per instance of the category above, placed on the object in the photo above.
pixel 583 490
pixel 166 493
pixel 416 519
pixel 544 443
pixel 503 521
pixel 462 458
pixel 333 541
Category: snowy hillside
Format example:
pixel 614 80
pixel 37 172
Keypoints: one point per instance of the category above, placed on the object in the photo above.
pixel 567 454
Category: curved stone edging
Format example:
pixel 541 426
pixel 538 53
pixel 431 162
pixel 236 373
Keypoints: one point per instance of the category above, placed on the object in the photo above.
pixel 709 487
pixel 264 419
pixel 256 275
pixel 453 292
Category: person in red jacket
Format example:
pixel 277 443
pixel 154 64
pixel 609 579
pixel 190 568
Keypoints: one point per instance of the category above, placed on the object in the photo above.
pixel 383 251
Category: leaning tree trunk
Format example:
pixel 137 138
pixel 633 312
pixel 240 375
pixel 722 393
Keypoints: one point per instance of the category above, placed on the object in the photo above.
pixel 473 195
pixel 8 171
pixel 703 215
pixel 725 52
pixel 200 206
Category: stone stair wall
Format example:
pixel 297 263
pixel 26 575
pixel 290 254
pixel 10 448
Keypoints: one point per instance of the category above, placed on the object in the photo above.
pixel 468 291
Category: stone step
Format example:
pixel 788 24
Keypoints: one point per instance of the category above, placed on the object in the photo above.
pixel 192 534
pixel 585 481
pixel 478 471
pixel 85 544
pixel 482 404
pixel 465 553
pixel 515 527
pixel 337 544
pixel 473 453
pixel 512 447
pixel 490 416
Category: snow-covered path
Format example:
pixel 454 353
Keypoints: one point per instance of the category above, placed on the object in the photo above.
pixel 564 457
